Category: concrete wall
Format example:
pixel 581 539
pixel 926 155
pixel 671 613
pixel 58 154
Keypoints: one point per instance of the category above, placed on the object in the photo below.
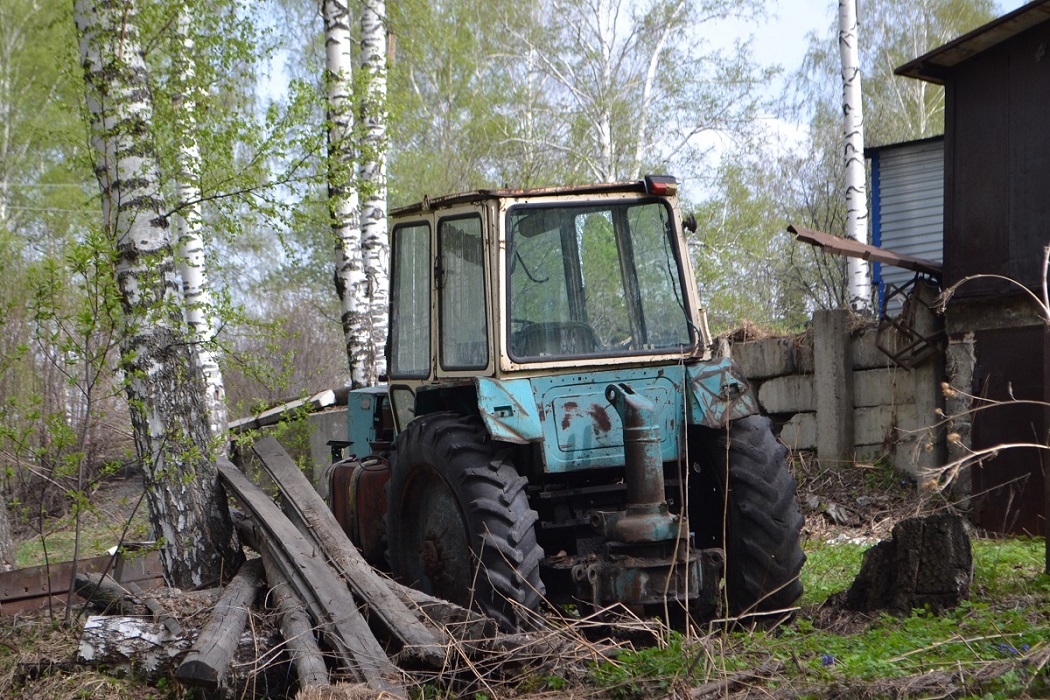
pixel 834 391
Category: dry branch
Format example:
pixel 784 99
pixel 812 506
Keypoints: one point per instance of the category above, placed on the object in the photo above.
pixel 106 595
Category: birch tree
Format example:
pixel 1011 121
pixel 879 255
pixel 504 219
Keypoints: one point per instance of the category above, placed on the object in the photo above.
pixel 375 249
pixel 163 379
pixel 190 252
pixel 858 272
pixel 351 282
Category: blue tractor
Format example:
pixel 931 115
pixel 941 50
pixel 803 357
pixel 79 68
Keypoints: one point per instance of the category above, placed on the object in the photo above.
pixel 554 426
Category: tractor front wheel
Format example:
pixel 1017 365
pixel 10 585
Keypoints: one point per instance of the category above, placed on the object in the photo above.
pixel 459 524
pixel 744 500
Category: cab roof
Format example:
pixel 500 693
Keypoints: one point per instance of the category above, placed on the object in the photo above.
pixel 478 195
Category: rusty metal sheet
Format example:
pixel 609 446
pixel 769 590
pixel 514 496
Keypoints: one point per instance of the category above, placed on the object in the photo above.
pixel 854 249
pixel 481 195
pixel 31 588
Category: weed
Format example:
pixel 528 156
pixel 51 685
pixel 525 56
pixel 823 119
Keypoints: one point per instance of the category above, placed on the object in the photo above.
pixel 830 567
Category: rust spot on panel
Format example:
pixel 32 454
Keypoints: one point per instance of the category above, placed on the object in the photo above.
pixel 601 418
pixel 570 409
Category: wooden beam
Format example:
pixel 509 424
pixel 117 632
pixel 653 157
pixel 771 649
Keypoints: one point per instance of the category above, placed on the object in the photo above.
pixel 322 590
pixel 106 595
pixel 296 628
pixel 304 504
pixel 210 657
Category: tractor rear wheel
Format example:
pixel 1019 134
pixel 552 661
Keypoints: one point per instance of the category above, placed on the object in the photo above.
pixel 745 502
pixel 459 524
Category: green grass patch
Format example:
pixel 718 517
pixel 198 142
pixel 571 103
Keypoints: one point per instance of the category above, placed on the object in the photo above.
pixel 1002 567
pixel 829 568
pixel 973 633
pixel 98 534
pixel 1007 618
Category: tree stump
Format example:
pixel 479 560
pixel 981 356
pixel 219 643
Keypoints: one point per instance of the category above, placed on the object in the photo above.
pixel 927 562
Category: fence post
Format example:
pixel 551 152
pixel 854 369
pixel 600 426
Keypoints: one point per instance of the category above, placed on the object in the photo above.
pixel 833 384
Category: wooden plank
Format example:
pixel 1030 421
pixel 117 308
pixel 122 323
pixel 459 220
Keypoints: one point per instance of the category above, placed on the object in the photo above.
pixel 322 590
pixel 208 660
pixel 296 628
pixel 320 524
pixel 107 595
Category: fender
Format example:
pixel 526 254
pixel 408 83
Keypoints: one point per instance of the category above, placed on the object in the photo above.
pixel 508 409
pixel 718 393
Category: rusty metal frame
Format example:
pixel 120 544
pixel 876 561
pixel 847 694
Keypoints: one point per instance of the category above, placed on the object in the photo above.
pixel 918 348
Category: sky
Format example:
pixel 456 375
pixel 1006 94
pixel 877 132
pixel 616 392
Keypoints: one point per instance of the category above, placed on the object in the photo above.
pixel 782 37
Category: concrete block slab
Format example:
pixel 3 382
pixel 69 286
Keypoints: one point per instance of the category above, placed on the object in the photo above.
pixel 833 384
pixel 325 426
pixel 790 394
pixel 883 425
pixel 800 433
pixel 866 353
pixel 883 387
pixel 770 357
pixel 804 353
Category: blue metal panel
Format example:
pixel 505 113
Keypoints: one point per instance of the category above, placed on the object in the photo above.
pixel 581 430
pixel 361 408
pixel 508 408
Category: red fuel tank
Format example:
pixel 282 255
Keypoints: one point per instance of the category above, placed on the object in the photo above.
pixel 358 500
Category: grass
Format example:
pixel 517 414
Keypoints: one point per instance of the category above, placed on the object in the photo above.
pixel 999 639
pixel 100 530
pixel 1004 625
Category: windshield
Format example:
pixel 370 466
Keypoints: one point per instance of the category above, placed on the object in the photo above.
pixel 594 280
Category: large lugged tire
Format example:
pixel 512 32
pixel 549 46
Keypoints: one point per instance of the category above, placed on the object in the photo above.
pixel 458 523
pixel 761 523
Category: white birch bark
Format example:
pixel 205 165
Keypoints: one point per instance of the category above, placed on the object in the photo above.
pixel 7 543
pixel 196 293
pixel 375 246
pixel 188 509
pixel 858 273
pixel 351 283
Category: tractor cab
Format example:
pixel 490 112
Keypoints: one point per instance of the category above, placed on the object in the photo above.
pixel 506 283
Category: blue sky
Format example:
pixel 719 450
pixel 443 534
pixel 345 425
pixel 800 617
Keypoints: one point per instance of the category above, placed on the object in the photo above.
pixel 782 37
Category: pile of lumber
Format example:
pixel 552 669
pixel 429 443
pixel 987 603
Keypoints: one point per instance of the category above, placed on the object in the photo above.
pixel 336 611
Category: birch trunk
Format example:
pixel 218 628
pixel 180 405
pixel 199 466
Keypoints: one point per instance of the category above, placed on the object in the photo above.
pixel 375 246
pixel 351 283
pixel 7 542
pixel 163 381
pixel 858 274
pixel 190 254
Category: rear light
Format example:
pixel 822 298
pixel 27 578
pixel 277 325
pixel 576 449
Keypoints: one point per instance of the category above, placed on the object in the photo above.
pixel 661 185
